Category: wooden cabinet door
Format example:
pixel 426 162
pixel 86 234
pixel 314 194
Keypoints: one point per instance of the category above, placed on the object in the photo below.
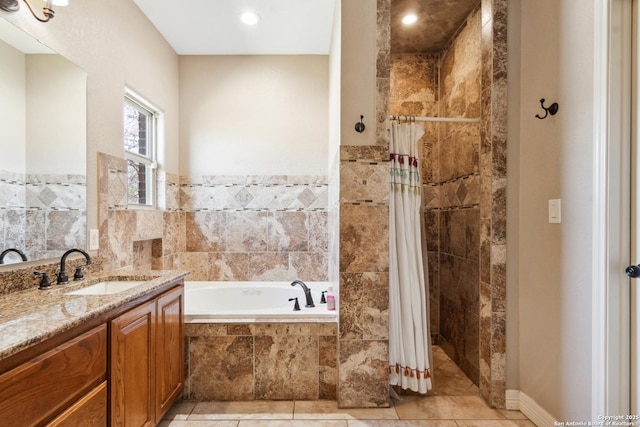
pixel 169 350
pixel 133 367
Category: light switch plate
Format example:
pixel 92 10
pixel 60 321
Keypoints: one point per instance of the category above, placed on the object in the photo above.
pixel 94 240
pixel 555 216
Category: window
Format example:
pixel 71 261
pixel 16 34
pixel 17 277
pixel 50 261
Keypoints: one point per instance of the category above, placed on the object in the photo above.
pixel 140 126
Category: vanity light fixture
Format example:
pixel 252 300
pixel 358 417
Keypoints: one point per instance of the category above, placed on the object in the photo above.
pixel 47 10
pixel 250 18
pixel 410 18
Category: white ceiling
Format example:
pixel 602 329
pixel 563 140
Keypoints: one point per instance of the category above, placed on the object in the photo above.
pixel 213 27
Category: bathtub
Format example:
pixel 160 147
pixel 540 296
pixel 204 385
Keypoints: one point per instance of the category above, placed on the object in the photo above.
pixel 243 302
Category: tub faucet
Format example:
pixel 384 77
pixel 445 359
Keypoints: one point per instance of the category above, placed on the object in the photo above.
pixel 6 251
pixel 63 277
pixel 307 292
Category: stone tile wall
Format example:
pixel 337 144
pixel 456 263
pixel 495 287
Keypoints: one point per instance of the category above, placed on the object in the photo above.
pixel 132 238
pixel 364 277
pixel 261 361
pixel 255 228
pixel 493 210
pixel 42 215
pixel 459 187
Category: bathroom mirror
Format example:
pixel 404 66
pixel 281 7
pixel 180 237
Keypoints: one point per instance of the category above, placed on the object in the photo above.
pixel 42 149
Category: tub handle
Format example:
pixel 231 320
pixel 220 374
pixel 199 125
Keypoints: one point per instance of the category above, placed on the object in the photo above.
pixel 296 306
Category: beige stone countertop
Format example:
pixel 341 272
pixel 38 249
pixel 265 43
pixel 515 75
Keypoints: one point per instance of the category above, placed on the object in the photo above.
pixel 32 316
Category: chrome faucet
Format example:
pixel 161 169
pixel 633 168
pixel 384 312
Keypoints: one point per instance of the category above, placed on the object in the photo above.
pixel 307 292
pixel 62 275
pixel 6 251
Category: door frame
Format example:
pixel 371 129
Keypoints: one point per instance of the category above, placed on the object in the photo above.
pixel 611 207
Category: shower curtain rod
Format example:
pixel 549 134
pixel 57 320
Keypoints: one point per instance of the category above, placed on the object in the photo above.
pixel 435 119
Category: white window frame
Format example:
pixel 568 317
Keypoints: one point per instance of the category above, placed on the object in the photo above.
pixel 132 97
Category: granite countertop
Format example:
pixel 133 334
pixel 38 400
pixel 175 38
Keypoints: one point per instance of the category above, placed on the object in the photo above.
pixel 32 316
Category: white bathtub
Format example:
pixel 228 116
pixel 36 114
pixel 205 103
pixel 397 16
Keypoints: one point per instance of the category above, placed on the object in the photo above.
pixel 243 302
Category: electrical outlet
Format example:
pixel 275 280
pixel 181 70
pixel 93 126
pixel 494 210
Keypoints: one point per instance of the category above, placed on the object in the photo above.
pixel 94 240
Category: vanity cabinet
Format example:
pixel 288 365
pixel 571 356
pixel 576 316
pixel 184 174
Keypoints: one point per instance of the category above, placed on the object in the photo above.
pixel 147 353
pixel 119 367
pixel 63 386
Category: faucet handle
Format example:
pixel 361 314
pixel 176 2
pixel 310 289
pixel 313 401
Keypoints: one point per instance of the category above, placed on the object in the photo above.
pixel 323 300
pixel 296 306
pixel 78 274
pixel 45 283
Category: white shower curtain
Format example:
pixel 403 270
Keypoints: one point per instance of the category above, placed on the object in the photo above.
pixel 409 339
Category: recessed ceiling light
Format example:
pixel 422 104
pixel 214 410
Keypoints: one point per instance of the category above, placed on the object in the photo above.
pixel 410 18
pixel 250 18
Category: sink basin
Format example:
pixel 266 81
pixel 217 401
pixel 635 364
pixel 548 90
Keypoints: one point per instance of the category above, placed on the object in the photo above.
pixel 107 287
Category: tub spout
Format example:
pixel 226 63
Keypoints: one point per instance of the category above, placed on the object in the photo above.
pixel 307 292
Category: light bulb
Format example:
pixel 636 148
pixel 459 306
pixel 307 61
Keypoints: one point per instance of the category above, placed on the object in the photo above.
pixel 250 18
pixel 409 19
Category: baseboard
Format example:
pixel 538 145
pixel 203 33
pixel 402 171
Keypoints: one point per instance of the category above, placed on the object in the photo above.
pixel 517 400
pixel 512 400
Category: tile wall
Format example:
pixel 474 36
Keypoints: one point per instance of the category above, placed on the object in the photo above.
pixel 255 227
pixel 493 202
pixel 220 228
pixel 42 215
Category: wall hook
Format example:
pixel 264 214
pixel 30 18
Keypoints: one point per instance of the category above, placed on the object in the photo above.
pixel 552 109
pixel 360 125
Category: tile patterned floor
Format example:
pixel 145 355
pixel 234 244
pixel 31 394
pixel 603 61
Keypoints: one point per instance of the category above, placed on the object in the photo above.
pixel 453 402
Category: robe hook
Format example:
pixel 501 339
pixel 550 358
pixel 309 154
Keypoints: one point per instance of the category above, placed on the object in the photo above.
pixel 551 109
pixel 360 125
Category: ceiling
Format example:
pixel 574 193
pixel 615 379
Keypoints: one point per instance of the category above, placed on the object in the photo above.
pixel 438 21
pixel 292 27
pixel 213 27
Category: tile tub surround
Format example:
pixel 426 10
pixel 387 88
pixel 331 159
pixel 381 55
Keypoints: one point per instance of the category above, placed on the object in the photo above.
pixel 218 227
pixel 32 316
pixel 255 227
pixel 260 361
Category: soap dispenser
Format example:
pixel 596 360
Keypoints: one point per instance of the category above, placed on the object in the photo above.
pixel 331 299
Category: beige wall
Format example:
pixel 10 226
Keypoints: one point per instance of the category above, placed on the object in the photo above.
pixel 43 110
pixel 116 46
pixel 56 141
pixel 358 77
pixel 13 105
pixel 554 159
pixel 256 115
pixel 335 58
